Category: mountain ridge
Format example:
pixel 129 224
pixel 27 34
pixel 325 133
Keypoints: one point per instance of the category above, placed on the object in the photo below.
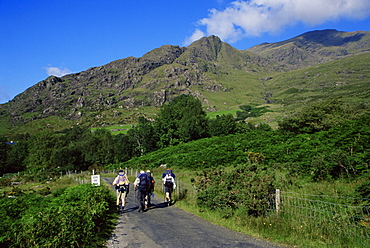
pixel 315 47
pixel 221 76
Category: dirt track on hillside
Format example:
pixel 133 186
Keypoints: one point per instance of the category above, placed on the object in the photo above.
pixel 163 226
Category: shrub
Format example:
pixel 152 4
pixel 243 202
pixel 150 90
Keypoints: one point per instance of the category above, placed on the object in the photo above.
pixel 363 190
pixel 5 182
pixel 78 216
pixel 244 188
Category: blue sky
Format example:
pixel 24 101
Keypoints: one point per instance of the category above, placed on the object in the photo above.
pixel 40 38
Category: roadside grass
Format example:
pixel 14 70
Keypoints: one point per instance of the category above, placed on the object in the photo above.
pixel 285 230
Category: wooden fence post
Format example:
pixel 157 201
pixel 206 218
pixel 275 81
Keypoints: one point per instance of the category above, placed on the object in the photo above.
pixel 277 200
pixel 178 188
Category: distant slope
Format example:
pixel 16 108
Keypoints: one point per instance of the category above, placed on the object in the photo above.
pixel 314 47
pixel 347 78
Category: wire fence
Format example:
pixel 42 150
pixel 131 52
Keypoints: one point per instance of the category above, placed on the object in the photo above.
pixel 348 217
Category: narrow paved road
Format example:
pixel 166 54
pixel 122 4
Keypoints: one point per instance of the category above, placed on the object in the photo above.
pixel 163 226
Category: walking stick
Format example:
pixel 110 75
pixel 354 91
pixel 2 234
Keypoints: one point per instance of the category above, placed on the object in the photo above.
pixel 164 193
pixel 135 197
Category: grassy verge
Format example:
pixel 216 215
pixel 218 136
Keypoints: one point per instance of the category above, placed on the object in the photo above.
pixel 284 229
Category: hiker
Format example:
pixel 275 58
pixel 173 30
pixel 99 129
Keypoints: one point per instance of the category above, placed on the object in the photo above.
pixel 150 192
pixel 141 186
pixel 167 172
pixel 122 189
pixel 169 184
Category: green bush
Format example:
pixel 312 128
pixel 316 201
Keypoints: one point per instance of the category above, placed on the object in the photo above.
pixel 244 189
pixel 5 182
pixel 78 216
pixel 363 190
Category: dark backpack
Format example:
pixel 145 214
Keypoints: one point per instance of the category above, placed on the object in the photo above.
pixel 144 181
pixel 123 188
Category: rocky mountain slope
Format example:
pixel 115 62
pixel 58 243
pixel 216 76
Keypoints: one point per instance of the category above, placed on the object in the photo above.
pixel 314 47
pixel 221 76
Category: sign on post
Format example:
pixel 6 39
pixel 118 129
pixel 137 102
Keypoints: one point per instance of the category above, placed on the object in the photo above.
pixel 95 179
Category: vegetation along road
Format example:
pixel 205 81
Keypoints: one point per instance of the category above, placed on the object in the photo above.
pixel 163 226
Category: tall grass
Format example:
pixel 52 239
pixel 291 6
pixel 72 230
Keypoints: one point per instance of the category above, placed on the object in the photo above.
pixel 285 229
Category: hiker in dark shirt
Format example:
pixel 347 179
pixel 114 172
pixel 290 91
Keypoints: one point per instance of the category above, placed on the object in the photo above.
pixel 150 192
pixel 141 186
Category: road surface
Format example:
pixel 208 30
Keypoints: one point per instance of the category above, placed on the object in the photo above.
pixel 163 226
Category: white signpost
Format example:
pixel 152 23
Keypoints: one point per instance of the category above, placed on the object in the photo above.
pixel 95 179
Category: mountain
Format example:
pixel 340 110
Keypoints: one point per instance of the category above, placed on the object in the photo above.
pixel 314 47
pixel 222 77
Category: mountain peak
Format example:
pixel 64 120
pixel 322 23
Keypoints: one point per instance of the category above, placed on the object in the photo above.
pixel 206 48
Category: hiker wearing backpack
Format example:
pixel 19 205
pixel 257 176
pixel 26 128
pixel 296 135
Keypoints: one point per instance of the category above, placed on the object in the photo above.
pixel 121 184
pixel 151 189
pixel 141 186
pixel 169 184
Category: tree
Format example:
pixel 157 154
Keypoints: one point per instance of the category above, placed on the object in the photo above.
pixel 41 147
pixel 143 135
pixel 181 121
pixel 69 157
pixel 321 116
pixel 4 149
pixel 222 125
pixel 76 134
pixel 98 148
pixel 124 148
pixel 16 157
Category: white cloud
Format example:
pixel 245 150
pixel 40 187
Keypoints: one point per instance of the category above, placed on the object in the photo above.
pixel 256 17
pixel 197 34
pixel 58 72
